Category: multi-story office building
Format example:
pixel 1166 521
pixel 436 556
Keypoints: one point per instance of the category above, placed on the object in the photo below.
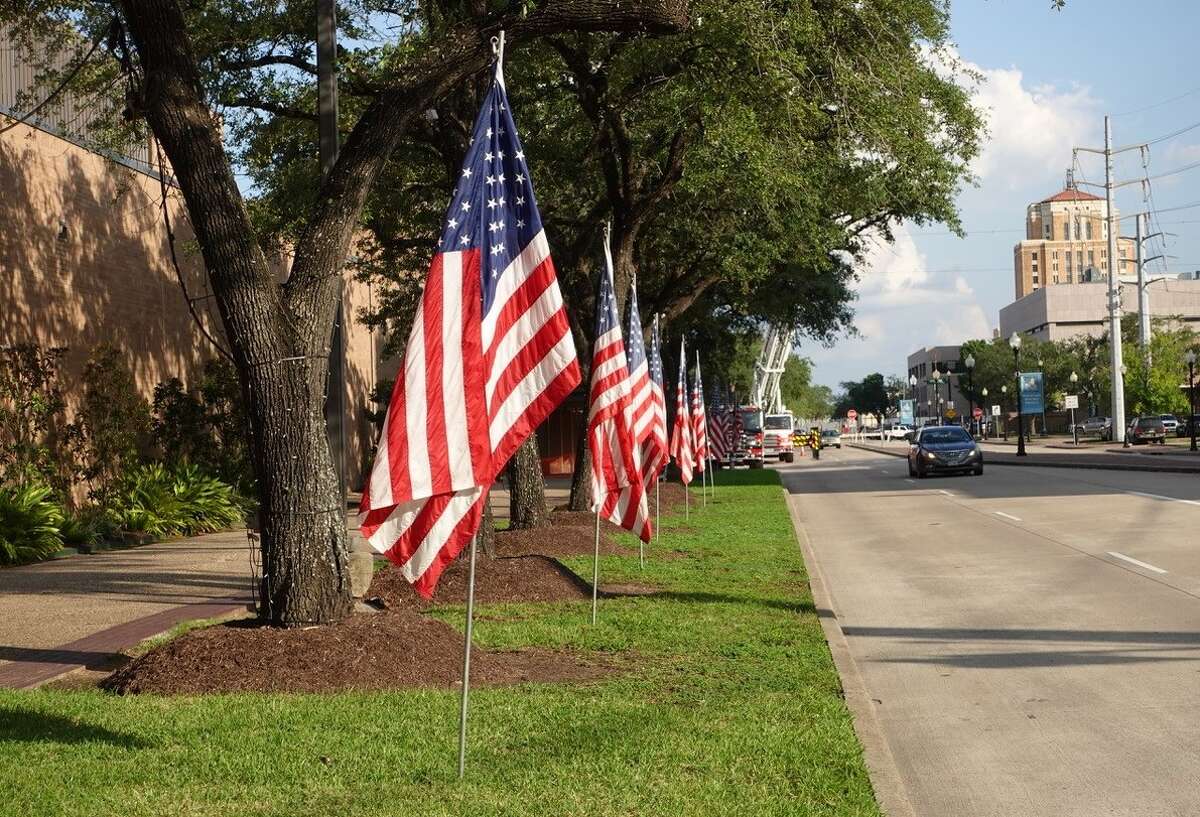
pixel 1066 242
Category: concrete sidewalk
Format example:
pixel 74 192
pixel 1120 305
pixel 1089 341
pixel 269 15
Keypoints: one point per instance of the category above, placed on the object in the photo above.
pixel 60 615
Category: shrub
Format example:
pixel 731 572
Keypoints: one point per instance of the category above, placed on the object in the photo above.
pixel 35 440
pixel 30 520
pixel 87 526
pixel 157 501
pixel 206 424
pixel 113 422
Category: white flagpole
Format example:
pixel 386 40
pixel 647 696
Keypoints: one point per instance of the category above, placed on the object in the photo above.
pixel 704 487
pixel 596 569
pixel 687 503
pixel 466 679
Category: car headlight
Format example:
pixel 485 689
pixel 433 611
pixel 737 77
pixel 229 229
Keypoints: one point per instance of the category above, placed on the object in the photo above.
pixel 929 455
pixel 974 453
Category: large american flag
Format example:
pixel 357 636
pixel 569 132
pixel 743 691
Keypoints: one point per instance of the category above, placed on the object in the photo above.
pixel 618 493
pixel 719 427
pixel 699 421
pixel 681 438
pixel 646 388
pixel 489 357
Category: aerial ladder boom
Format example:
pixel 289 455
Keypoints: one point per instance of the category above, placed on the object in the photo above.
pixel 768 371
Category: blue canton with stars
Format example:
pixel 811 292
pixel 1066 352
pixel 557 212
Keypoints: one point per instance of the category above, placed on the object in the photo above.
pixel 606 307
pixel 493 210
pixel 635 349
pixel 656 367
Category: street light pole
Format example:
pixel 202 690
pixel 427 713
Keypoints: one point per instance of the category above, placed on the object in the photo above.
pixel 984 394
pixel 1074 429
pixel 1003 403
pixel 970 364
pixel 1191 362
pixel 1015 343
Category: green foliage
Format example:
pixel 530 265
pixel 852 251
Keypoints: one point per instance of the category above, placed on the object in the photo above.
pixel 158 501
pixel 30 519
pixel 113 421
pixel 34 435
pixel 87 526
pixel 205 425
pixel 873 395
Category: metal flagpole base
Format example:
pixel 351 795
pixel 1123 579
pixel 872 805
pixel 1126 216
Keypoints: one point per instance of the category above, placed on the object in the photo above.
pixel 466 679
pixel 596 570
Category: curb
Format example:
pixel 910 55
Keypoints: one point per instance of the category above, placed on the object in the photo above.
pixel 890 791
pixel 1057 461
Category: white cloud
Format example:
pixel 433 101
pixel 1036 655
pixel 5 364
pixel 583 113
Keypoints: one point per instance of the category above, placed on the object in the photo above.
pixel 1031 129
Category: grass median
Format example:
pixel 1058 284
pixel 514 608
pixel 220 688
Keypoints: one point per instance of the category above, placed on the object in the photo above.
pixel 725 702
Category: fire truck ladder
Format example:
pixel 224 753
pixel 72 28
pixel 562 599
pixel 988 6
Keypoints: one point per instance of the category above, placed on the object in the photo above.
pixel 777 346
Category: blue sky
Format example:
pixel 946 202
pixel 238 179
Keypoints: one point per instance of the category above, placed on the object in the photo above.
pixel 1050 77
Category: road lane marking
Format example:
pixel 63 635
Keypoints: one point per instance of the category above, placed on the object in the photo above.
pixel 944 491
pixel 911 481
pixel 1007 516
pixel 1134 561
pixel 1163 498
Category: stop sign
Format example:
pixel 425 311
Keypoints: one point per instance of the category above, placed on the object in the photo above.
pixel 978 412
pixel 851 414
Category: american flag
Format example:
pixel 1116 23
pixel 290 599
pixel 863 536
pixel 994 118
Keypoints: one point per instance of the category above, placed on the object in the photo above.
pixel 719 446
pixel 699 421
pixel 659 430
pixel 489 357
pixel 651 438
pixel 681 438
pixel 618 493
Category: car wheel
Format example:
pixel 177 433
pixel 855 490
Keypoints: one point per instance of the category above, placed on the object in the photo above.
pixel 978 471
pixel 911 471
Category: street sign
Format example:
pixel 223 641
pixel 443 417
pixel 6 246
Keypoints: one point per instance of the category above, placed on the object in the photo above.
pixel 851 415
pixel 1032 401
pixel 995 411
pixel 1071 401
pixel 977 413
pixel 951 413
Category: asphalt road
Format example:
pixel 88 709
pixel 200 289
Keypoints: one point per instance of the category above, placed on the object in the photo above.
pixel 1029 639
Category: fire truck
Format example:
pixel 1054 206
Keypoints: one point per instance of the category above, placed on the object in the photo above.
pixel 777 436
pixel 737 439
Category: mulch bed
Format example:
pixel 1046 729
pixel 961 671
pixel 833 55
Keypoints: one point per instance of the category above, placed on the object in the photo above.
pixel 510 578
pixel 389 650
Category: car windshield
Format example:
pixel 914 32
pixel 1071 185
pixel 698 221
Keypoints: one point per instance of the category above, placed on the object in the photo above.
pixel 950 434
pixel 751 421
pixel 830 432
pixel 1149 422
pixel 779 422
pixel 1170 417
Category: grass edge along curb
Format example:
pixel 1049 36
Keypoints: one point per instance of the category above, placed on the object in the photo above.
pixel 731 705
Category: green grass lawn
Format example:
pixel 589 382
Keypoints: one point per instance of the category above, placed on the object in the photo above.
pixel 730 706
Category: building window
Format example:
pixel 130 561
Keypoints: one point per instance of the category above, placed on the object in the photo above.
pixel 1035 256
pixel 1035 277
pixel 1068 262
pixel 1089 229
pixel 1049 231
pixel 1078 232
pixel 1091 258
pixel 1079 258
pixel 1055 266
pixel 1071 277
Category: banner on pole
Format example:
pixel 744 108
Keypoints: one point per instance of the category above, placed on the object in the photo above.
pixel 1032 398
pixel 907 412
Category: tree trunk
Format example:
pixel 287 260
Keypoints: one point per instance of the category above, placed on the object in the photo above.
pixel 526 488
pixel 581 477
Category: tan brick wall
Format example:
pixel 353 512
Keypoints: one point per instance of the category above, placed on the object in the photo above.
pixel 84 260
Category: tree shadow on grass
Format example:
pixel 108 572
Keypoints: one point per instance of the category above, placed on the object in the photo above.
pixel 792 606
pixel 30 726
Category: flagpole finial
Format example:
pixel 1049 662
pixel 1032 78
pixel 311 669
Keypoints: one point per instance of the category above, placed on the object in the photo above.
pixel 498 50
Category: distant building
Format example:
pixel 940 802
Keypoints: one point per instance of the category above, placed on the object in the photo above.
pixel 1057 313
pixel 1066 242
pixel 921 365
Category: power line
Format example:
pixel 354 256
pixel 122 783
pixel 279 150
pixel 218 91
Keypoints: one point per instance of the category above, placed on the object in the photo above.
pixel 1173 134
pixel 1184 95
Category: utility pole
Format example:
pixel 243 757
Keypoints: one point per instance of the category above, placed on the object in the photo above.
pixel 1143 285
pixel 327 129
pixel 1114 272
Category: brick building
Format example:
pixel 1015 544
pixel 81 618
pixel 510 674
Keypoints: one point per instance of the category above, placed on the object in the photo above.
pixel 1066 242
pixel 85 259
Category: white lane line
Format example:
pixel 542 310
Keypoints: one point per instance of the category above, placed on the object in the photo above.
pixel 944 491
pixel 911 481
pixel 1163 498
pixel 1007 516
pixel 1134 561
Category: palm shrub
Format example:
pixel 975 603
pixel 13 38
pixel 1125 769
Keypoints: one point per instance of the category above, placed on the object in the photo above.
pixel 158 501
pixel 30 523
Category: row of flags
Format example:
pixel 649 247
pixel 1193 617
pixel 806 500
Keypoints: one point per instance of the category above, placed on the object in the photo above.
pixel 491 355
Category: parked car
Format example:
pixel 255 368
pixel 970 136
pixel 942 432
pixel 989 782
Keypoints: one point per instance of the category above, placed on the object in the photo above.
pixel 1145 430
pixel 1098 427
pixel 1170 423
pixel 944 449
pixel 899 432
pixel 831 438
pixel 1185 426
